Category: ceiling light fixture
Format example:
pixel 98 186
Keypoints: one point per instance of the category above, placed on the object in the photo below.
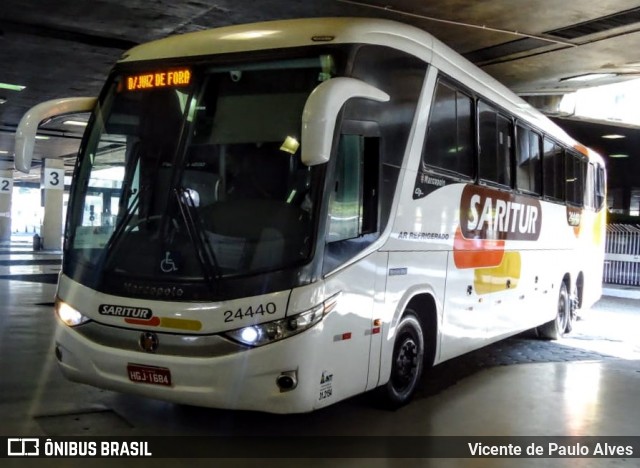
pixel 12 87
pixel 41 137
pixel 4 152
pixel 2 100
pixel 618 155
pixel 613 136
pixel 588 77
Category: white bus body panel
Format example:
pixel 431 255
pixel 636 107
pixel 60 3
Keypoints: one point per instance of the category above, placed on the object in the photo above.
pixel 351 350
pixel 480 304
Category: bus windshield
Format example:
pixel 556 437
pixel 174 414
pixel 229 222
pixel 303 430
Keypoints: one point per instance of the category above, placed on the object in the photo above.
pixel 194 174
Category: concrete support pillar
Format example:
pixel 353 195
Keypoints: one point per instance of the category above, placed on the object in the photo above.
pixel 53 190
pixel 616 196
pixel 6 190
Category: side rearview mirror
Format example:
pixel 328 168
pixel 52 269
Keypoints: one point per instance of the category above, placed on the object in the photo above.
pixel 28 126
pixel 321 112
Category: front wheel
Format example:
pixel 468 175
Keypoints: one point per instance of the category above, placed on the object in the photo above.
pixel 557 327
pixel 407 363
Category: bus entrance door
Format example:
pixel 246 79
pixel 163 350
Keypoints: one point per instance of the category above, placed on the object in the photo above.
pixel 354 328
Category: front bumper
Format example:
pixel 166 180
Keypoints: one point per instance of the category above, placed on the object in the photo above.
pixel 243 380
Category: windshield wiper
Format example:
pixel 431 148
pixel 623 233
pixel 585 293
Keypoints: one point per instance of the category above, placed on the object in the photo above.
pixel 205 253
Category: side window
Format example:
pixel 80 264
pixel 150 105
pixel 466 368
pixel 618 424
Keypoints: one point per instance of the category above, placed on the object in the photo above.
pixel 353 200
pixel 553 170
pixel 590 187
pixel 449 144
pixel 600 188
pixel 528 172
pixel 401 76
pixel 376 134
pixel 575 168
pixel 495 145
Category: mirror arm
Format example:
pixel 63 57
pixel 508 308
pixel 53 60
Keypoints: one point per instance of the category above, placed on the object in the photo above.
pixel 321 111
pixel 28 126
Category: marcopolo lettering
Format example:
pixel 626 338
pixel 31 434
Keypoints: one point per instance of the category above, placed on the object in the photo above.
pixel 153 291
pixel 491 214
pixel 124 311
pixel 426 184
pixel 426 179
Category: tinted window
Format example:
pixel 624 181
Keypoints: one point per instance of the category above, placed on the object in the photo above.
pixel 495 145
pixel 353 201
pixel 401 76
pixel 345 204
pixel 382 130
pixel 575 168
pixel 553 170
pixel 600 188
pixel 589 188
pixel 528 173
pixel 449 142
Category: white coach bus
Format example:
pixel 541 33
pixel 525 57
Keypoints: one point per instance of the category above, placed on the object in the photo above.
pixel 278 216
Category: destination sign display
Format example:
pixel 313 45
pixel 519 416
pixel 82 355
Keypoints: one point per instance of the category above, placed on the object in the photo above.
pixel 159 79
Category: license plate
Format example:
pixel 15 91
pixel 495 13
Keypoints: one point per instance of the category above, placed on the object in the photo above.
pixel 149 374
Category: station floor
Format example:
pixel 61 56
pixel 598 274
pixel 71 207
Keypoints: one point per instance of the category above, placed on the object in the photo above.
pixel 587 384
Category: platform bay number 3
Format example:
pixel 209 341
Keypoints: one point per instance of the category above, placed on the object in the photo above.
pixel 53 178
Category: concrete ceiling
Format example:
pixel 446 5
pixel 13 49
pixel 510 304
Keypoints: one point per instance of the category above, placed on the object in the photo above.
pixel 65 48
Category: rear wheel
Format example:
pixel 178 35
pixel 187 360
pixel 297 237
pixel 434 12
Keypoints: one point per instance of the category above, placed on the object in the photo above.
pixel 557 327
pixel 574 304
pixel 407 363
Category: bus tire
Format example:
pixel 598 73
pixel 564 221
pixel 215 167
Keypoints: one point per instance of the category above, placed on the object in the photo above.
pixel 557 327
pixel 406 365
pixel 574 303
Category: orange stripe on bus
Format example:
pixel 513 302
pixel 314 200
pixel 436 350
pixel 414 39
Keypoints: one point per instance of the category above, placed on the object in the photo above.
pixel 476 253
pixel 153 321
pixel 581 148
pixel 168 322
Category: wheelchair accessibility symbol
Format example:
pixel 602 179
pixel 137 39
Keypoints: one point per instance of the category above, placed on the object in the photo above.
pixel 167 265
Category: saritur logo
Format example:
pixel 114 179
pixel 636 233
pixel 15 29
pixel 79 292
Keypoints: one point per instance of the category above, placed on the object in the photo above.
pixel 23 447
pixel 492 214
pixel 123 311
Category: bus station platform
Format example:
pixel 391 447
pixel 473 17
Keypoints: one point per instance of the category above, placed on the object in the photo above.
pixel 587 384
pixel 19 261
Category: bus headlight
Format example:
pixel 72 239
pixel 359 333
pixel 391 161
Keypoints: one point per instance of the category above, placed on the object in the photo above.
pixel 264 333
pixel 68 314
